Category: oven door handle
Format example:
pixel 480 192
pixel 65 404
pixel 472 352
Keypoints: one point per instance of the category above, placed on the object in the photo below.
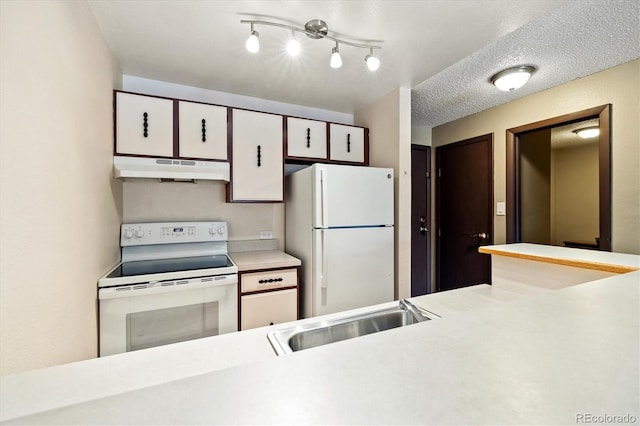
pixel 165 287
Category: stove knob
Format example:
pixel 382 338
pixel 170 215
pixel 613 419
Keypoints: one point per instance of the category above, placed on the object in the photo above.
pixel 212 230
pixel 220 230
pixel 128 233
pixel 139 233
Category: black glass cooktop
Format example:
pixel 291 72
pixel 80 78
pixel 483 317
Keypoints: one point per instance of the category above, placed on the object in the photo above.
pixel 146 267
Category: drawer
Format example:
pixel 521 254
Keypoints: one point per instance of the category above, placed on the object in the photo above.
pixel 255 281
pixel 274 307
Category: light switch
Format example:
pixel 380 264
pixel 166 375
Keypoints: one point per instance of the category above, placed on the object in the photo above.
pixel 500 207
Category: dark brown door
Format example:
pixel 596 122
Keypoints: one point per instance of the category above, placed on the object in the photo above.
pixel 464 216
pixel 420 220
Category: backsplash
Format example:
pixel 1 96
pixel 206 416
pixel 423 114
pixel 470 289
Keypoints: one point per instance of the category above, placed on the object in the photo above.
pixel 150 201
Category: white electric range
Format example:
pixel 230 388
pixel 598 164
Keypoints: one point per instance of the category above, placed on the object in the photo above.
pixel 175 282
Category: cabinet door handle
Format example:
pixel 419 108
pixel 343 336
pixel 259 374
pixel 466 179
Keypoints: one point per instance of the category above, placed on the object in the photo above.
pixel 308 137
pixel 204 130
pixel 259 156
pixel 348 142
pixel 145 124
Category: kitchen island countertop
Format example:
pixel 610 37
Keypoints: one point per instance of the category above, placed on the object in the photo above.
pixel 545 358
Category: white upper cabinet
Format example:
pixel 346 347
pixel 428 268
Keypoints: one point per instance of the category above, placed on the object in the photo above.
pixel 144 125
pixel 306 138
pixel 257 161
pixel 203 131
pixel 346 143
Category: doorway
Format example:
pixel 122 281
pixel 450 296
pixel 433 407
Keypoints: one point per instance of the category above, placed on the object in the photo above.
pixel 420 220
pixel 464 212
pixel 577 231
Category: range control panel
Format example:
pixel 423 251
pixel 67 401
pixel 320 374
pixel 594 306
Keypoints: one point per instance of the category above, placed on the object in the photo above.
pixel 140 234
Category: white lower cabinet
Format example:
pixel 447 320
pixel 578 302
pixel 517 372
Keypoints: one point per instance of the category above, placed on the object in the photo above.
pixel 269 308
pixel 268 297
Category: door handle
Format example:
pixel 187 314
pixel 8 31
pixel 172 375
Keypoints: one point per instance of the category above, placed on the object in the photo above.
pixel 481 235
pixel 423 228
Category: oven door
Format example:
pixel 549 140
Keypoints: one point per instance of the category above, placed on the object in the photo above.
pixel 141 316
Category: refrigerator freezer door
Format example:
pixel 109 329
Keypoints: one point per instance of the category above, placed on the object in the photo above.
pixel 352 268
pixel 352 196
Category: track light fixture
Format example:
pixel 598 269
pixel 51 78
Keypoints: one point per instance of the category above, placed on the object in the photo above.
pixel 314 29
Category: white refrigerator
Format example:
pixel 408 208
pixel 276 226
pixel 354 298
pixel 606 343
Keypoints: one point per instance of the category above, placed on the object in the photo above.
pixel 339 222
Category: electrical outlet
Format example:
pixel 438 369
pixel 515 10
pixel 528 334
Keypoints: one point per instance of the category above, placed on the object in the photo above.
pixel 266 235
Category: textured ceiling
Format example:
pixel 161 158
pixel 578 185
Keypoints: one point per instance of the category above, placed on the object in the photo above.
pixel 573 41
pixel 444 50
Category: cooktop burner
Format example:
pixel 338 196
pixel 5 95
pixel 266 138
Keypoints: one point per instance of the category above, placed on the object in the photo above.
pixel 157 266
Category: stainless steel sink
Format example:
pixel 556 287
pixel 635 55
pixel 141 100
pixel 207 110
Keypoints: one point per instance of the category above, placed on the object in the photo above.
pixel 329 331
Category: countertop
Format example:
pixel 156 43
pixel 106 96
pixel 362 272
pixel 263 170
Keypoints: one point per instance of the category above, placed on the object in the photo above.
pixel 263 259
pixel 494 356
pixel 588 259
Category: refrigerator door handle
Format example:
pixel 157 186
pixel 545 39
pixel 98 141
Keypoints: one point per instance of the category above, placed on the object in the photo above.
pixel 323 198
pixel 324 266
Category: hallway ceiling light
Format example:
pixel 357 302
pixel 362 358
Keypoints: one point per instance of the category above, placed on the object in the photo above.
pixel 588 132
pixel 512 78
pixel 314 29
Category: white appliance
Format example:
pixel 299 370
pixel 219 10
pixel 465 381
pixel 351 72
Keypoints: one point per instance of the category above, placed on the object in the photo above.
pixel 169 169
pixel 339 222
pixel 175 283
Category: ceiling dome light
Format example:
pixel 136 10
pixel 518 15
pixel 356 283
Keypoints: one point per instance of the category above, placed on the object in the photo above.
pixel 293 46
pixel 512 78
pixel 336 60
pixel 253 42
pixel 588 132
pixel 373 63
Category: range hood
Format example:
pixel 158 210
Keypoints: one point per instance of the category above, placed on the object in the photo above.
pixel 167 169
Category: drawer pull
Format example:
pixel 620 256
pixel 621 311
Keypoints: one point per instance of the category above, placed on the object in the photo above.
pixel 270 280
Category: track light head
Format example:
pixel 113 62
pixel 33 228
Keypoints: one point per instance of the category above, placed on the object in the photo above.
pixel 373 63
pixel 336 60
pixel 253 42
pixel 293 46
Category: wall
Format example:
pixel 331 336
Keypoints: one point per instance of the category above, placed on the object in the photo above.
pixel 59 208
pixel 535 187
pixel 150 201
pixel 618 86
pixel 389 123
pixel 575 213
